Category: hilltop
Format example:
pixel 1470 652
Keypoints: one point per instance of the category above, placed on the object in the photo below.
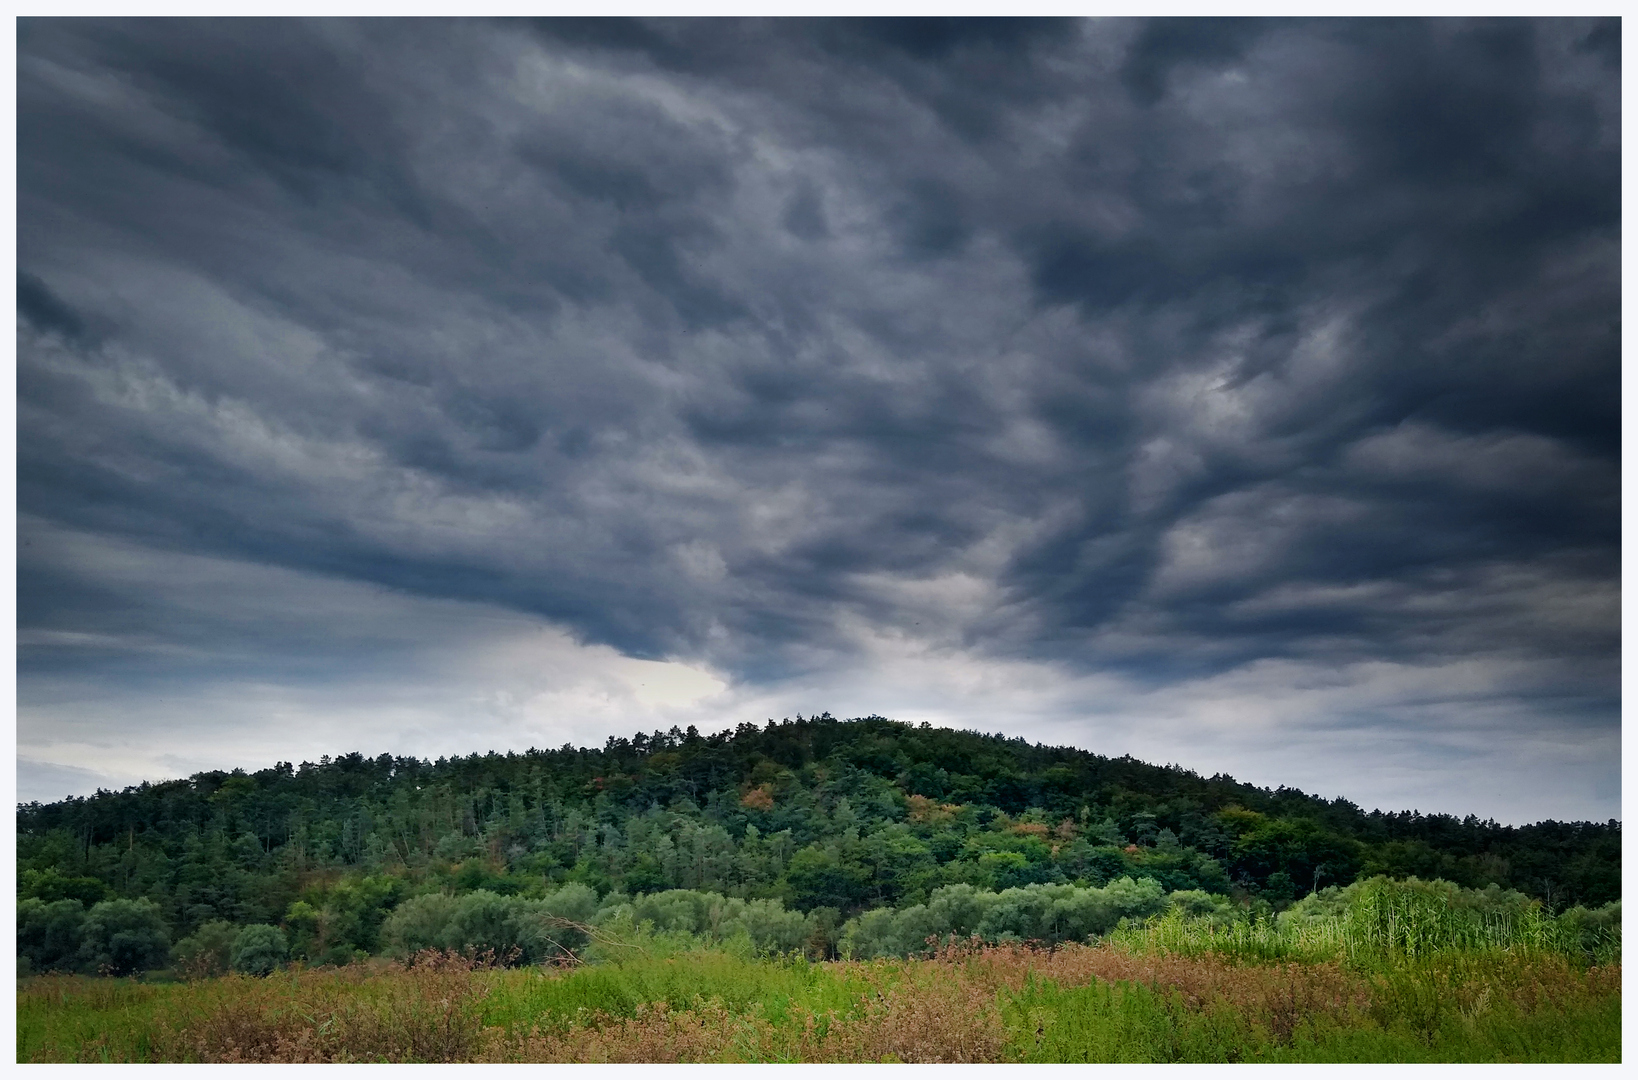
pixel 844 815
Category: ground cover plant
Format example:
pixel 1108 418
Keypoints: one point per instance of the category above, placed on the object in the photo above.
pixel 1379 972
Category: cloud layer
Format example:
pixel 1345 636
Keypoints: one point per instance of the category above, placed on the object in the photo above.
pixel 1254 382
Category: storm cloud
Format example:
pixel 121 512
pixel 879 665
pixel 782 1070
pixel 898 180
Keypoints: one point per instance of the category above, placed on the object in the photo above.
pixel 1240 393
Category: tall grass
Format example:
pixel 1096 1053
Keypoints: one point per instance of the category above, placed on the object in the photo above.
pixel 1428 1015
pixel 1012 1003
pixel 1379 971
pixel 1395 918
pixel 1260 940
pixel 1382 921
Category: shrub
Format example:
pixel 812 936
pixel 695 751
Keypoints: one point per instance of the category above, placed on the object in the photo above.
pixel 513 928
pixel 1212 909
pixel 1039 912
pixel 483 921
pixel 208 951
pixel 49 935
pixel 418 923
pixel 772 929
pixel 259 949
pixel 1596 931
pixel 125 937
pixel 573 901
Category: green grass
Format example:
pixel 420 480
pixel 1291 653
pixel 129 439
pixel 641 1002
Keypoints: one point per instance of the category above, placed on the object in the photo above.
pixel 75 1018
pixel 1108 1022
pixel 1453 1006
pixel 616 989
pixel 1384 922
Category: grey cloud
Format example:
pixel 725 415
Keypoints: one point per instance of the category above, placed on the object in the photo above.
pixel 39 306
pixel 1196 343
pixel 39 781
pixel 1168 43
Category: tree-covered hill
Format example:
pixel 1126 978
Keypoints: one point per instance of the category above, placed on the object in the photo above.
pixel 816 812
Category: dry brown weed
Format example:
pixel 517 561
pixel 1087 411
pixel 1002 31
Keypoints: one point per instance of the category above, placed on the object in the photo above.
pixel 934 1020
pixel 421 1011
pixel 944 1009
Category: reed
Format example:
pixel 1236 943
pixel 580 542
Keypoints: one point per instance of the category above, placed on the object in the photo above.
pixel 1383 922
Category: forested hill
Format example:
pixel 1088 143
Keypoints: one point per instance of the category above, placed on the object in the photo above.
pixel 816 812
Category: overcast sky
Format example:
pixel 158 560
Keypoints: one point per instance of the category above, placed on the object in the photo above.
pixel 1239 394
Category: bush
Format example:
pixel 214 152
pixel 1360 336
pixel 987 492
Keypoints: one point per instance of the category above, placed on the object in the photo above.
pixel 1200 904
pixel 772 929
pixel 766 925
pixel 208 951
pixel 49 935
pixel 125 937
pixel 1596 931
pixel 418 923
pixel 573 901
pixel 482 922
pixel 1049 913
pixel 259 949
pixel 513 928
pixel 544 927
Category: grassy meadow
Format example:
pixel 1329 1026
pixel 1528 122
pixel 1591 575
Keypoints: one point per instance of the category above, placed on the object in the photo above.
pixel 1389 978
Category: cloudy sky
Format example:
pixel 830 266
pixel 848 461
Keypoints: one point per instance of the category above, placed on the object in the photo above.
pixel 1238 394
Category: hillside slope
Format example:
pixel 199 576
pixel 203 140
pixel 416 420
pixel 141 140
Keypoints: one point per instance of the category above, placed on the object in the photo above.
pixel 816 812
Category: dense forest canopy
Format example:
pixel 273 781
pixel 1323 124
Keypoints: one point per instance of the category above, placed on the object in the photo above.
pixel 822 815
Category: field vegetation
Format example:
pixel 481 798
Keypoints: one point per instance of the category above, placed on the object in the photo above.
pixel 812 890
pixel 1381 971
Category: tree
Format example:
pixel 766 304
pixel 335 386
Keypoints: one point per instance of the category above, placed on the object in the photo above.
pixel 49 935
pixel 50 886
pixel 418 923
pixel 259 949
pixel 669 810
pixel 646 875
pixel 482 922
pixel 820 877
pixel 125 937
pixel 207 951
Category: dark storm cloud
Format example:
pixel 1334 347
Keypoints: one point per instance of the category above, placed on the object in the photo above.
pixel 1191 343
pixel 40 307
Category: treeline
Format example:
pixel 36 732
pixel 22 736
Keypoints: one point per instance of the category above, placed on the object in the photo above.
pixel 1375 918
pixel 830 819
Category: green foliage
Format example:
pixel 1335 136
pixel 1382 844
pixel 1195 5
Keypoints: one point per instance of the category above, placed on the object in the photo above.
pixel 1414 918
pixel 1043 913
pixel 49 935
pixel 208 951
pixel 50 885
pixel 333 923
pixel 514 929
pixel 1595 931
pixel 259 949
pixel 831 819
pixel 645 875
pixel 124 937
pixel 418 923
pixel 483 921
pixel 820 876
pixel 1381 921
pixel 765 924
